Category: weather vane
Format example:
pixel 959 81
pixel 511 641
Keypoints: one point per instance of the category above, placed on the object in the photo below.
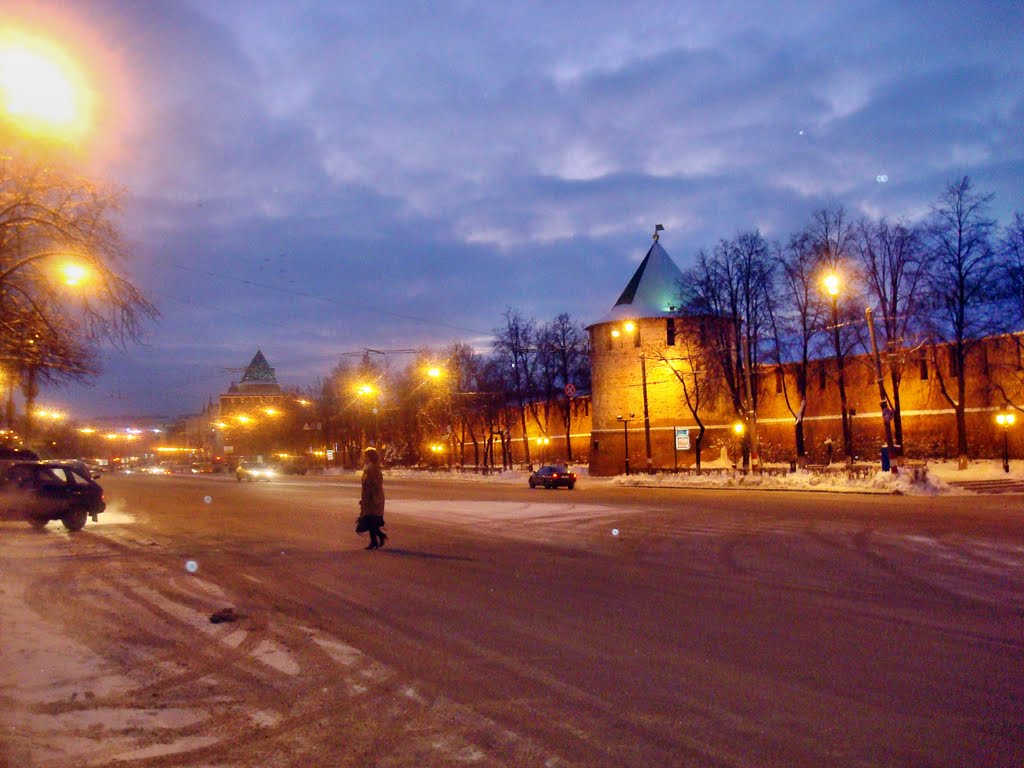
pixel 658 228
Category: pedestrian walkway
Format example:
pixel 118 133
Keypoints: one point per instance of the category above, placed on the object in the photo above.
pixel 990 486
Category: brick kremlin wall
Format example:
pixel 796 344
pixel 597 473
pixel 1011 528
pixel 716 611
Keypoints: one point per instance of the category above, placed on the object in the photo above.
pixel 928 421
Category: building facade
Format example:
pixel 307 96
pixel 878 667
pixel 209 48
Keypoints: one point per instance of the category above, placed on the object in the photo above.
pixel 644 356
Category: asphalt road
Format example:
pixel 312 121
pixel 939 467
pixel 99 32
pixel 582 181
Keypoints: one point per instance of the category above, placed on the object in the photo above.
pixel 502 626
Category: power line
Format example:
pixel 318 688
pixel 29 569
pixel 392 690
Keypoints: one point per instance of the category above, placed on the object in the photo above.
pixel 308 295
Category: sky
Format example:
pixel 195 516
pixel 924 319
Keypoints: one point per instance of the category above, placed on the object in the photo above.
pixel 316 177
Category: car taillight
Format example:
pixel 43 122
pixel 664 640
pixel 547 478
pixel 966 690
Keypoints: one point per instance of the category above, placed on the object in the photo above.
pixel 555 474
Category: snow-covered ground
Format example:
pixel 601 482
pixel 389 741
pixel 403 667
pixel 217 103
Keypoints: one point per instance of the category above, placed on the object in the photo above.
pixel 937 480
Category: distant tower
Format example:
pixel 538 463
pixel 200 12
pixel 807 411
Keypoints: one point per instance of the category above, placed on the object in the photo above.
pixel 643 320
pixel 259 378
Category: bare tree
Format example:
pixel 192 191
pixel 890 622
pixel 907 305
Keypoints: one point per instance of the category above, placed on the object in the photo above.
pixel 1011 248
pixel 892 260
pixel 515 346
pixel 461 382
pixel 733 285
pixel 830 234
pixel 564 359
pixel 695 365
pixel 795 320
pixel 962 283
pixel 50 216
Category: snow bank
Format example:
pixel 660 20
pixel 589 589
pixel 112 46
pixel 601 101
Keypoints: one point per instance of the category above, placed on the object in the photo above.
pixel 802 480
pixel 939 476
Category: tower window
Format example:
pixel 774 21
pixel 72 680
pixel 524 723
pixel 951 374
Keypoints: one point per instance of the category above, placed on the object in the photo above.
pixel 670 332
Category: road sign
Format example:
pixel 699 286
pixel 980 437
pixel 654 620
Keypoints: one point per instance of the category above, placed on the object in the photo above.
pixel 330 455
pixel 570 389
pixel 682 439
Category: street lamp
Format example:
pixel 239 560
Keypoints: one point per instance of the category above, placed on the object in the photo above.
pixel 365 390
pixel 42 90
pixel 625 435
pixel 739 429
pixel 630 327
pixel 833 284
pixel 1005 420
pixel 72 273
pixel 542 444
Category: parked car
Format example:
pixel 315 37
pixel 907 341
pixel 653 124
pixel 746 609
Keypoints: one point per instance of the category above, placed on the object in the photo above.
pixel 10 456
pixel 41 491
pixel 552 476
pixel 291 465
pixel 251 470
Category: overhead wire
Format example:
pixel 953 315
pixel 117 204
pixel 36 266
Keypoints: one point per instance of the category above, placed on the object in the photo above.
pixel 328 300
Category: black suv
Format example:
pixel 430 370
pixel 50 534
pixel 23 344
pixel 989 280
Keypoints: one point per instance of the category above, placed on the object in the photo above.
pixel 41 491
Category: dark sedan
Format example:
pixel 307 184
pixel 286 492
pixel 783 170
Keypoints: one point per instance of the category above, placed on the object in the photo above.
pixel 41 491
pixel 552 476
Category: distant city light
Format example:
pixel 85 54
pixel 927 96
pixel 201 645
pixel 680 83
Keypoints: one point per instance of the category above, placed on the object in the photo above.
pixel 882 178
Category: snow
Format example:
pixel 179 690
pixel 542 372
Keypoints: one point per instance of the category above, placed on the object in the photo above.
pixel 976 470
pixel 937 479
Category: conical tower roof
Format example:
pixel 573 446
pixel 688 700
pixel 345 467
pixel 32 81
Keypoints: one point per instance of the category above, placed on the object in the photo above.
pixel 258 376
pixel 653 291
pixel 259 370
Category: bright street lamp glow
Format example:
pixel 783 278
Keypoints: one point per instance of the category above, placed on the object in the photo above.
pixel 365 389
pixel 630 326
pixel 739 428
pixel 41 87
pixel 615 332
pixel 832 283
pixel 242 419
pixel 434 373
pixel 74 274
pixel 1005 419
pixel 271 411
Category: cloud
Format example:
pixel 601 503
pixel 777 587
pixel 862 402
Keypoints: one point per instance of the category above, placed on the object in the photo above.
pixel 397 174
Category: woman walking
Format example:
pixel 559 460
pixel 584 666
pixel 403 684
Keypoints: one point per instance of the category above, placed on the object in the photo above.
pixel 371 504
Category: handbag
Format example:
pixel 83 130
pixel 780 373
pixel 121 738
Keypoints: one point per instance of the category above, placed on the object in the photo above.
pixel 362 524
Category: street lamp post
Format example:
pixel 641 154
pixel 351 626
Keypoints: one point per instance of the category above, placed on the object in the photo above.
pixel 832 286
pixel 751 424
pixel 1005 420
pixel 632 327
pixel 883 396
pixel 542 444
pixel 625 435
